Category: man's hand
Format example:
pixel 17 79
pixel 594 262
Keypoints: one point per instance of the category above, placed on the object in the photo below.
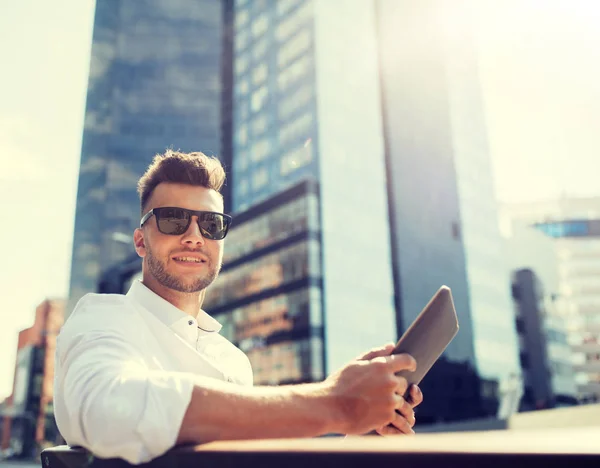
pixel 367 392
pixel 404 420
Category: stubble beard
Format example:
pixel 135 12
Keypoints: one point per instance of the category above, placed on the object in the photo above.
pixel 159 272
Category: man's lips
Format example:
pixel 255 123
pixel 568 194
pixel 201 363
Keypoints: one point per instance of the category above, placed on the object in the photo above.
pixel 191 258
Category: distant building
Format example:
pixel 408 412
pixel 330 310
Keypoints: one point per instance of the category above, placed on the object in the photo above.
pixel 546 357
pixel 29 413
pixel 574 226
pixel 543 371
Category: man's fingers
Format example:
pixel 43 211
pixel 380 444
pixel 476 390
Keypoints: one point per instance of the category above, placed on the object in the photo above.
pixel 415 396
pixel 377 352
pixel 388 431
pixel 399 362
pixel 401 387
pixel 406 411
pixel 399 426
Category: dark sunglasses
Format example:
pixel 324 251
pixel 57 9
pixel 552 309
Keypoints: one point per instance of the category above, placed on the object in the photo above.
pixel 176 221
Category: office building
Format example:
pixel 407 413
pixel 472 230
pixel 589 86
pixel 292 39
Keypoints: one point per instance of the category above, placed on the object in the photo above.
pixel 269 296
pixel 28 415
pixel 388 143
pixel 156 81
pixel 542 329
pixel 574 225
pixel 539 336
pixel 299 114
pixel 444 213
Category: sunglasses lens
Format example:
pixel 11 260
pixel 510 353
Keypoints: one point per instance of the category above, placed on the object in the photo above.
pixel 213 226
pixel 173 221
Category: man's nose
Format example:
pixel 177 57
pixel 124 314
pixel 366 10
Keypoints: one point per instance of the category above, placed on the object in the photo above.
pixel 193 236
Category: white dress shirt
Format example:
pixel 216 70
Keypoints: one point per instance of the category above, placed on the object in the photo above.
pixel 125 369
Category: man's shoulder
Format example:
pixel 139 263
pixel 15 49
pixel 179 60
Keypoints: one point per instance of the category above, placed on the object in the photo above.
pixel 101 312
pixel 104 304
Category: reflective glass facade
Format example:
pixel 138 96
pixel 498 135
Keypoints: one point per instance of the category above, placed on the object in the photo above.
pixel 443 209
pixel 488 273
pixel 155 82
pixel 299 114
pixel 274 98
pixel 269 295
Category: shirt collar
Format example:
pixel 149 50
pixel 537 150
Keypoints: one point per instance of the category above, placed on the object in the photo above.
pixel 167 312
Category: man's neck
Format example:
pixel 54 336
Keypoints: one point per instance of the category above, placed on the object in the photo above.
pixel 190 303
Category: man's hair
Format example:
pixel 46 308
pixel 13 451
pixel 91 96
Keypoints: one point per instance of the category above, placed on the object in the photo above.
pixel 181 168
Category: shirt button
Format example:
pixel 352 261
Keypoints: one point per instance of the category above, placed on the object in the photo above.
pixel 191 322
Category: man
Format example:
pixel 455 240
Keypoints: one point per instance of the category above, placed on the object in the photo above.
pixel 139 373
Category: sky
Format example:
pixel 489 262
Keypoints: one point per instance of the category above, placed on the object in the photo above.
pixel 44 52
pixel 540 78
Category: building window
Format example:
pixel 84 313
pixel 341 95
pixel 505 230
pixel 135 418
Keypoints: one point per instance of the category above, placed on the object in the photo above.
pixel 241 18
pixel 242 135
pixel 241 40
pixel 295 20
pixel 297 216
pixel 242 87
pixel 242 110
pixel 268 272
pixel 258 99
pixel 293 72
pixel 260 149
pixel 260 25
pixel 297 129
pixel 283 6
pixel 259 49
pixel 260 74
pixel 297 99
pixel 241 64
pixel 243 187
pixel 297 158
pixel 241 159
pixel 259 125
pixel 294 47
pixel 260 178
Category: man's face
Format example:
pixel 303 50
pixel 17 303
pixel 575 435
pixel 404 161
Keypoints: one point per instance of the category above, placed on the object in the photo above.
pixel 188 262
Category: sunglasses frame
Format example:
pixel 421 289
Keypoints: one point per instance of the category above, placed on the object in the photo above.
pixel 192 213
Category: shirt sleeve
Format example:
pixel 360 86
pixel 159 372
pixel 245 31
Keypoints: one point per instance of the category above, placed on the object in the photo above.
pixel 111 403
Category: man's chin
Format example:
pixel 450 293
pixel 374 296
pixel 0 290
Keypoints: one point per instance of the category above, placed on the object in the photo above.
pixel 191 287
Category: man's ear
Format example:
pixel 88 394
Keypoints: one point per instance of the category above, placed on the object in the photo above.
pixel 138 242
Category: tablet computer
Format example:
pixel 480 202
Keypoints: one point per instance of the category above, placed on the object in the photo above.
pixel 429 335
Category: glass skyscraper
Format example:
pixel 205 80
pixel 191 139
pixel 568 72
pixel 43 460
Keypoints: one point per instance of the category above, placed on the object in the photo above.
pixel 444 214
pixel 299 113
pixel 362 102
pixel 155 82
pixel 488 272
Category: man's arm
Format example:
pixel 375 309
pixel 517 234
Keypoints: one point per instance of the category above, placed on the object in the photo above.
pixel 222 411
pixel 361 397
